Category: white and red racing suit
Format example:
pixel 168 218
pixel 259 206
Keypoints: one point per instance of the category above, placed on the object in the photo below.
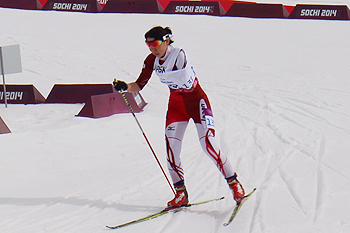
pixel 187 100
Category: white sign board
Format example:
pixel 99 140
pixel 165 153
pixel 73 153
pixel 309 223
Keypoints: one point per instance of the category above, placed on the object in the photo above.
pixel 10 59
pixel 10 63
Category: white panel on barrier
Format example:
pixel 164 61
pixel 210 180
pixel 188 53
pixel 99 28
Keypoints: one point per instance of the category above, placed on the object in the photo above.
pixel 10 63
pixel 10 59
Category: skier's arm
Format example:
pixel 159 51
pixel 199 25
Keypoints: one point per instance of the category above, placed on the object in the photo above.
pixel 133 87
pixel 142 80
pixel 145 74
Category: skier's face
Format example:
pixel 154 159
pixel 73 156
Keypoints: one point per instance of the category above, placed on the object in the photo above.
pixel 157 47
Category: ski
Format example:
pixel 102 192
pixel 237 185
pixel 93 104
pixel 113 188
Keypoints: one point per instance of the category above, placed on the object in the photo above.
pixel 238 207
pixel 163 212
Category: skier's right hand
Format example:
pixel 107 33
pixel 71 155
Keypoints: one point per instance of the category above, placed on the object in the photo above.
pixel 120 85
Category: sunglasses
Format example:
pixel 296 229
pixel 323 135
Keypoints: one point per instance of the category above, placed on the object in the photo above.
pixel 154 44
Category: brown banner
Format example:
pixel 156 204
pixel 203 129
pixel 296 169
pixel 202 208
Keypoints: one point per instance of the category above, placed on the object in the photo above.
pixel 320 12
pixel 21 94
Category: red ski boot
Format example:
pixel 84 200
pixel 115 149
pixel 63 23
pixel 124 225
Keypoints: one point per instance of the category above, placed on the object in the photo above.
pixel 237 188
pixel 181 197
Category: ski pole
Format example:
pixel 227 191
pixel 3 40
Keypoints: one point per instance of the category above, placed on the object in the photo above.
pixel 144 135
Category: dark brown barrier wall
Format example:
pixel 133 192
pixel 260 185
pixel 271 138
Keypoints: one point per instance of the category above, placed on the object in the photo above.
pixel 76 93
pixel 21 94
pixel 108 104
pixel 132 6
pixel 3 127
pixel 19 4
pixel 320 12
pixel 257 10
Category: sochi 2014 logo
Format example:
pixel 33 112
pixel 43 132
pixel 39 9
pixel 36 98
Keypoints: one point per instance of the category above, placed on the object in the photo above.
pixel 102 3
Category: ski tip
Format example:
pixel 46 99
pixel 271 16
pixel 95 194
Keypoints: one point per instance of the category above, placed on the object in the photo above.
pixel 251 192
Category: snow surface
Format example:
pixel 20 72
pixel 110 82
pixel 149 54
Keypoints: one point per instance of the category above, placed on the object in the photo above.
pixel 280 96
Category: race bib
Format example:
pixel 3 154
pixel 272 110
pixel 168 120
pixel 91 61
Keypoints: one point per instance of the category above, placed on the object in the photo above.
pixel 207 118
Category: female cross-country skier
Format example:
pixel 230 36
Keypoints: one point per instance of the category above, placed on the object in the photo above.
pixel 187 100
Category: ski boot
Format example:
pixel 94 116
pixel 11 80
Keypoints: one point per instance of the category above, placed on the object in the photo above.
pixel 236 187
pixel 181 197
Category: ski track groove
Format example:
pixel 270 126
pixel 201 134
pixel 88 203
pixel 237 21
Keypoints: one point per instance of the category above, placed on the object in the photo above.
pixel 291 104
pixel 165 224
pixel 13 223
pixel 263 190
pixel 293 193
pixel 319 180
pixel 289 141
pixel 312 115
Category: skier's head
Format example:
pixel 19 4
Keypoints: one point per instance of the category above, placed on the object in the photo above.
pixel 158 39
pixel 159 33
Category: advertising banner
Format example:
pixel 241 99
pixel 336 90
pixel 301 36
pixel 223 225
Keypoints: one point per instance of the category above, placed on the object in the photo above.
pixel 69 5
pixel 21 94
pixel 332 12
pixel 101 4
pixel 194 8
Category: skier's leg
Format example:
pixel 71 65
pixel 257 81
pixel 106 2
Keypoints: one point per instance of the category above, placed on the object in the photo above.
pixel 206 134
pixel 208 142
pixel 174 134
